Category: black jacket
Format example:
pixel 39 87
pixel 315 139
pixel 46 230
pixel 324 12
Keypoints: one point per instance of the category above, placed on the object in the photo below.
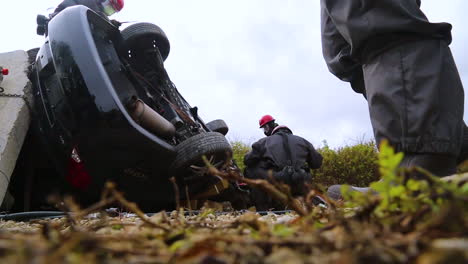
pixel 269 152
pixel 352 29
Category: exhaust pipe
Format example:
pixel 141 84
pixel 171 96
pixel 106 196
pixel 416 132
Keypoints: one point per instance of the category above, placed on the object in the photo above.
pixel 149 119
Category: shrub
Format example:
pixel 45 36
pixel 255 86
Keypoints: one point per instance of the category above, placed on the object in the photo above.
pixel 354 165
pixel 239 149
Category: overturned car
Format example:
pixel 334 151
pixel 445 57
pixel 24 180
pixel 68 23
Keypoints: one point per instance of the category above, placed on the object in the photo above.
pixel 106 110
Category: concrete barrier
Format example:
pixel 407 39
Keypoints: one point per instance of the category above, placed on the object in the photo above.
pixel 14 114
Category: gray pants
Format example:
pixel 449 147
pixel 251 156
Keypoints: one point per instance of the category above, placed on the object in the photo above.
pixel 416 97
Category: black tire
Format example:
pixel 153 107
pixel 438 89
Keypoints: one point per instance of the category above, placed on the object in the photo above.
pixel 218 125
pixel 191 151
pixel 144 35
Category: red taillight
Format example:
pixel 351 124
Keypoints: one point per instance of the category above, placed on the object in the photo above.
pixel 5 71
pixel 77 174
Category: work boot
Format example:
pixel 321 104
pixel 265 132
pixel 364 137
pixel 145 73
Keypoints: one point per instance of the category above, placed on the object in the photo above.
pixel 438 164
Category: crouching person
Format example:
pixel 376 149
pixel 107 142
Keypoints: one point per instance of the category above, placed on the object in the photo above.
pixel 287 157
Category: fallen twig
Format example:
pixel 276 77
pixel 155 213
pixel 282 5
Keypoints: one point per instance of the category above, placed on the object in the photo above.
pixel 285 199
pixel 132 207
pixel 176 191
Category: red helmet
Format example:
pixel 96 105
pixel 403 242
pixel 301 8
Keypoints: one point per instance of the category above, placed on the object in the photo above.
pixel 118 4
pixel 112 6
pixel 265 119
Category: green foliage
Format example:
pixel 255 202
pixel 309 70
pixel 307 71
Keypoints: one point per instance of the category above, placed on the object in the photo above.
pixel 281 230
pixel 205 213
pixel 355 165
pixel 403 190
pixel 117 227
pixel 239 149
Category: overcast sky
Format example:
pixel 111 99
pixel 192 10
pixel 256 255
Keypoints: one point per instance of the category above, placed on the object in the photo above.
pixel 238 60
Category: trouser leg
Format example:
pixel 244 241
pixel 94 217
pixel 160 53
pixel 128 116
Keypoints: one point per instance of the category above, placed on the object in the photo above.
pixel 260 199
pixel 464 148
pixel 416 99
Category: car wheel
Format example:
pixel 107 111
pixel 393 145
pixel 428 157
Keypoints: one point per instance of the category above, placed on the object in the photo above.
pixel 218 125
pixel 140 36
pixel 191 151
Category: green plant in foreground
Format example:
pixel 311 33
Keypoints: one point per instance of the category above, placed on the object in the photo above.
pixel 403 190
